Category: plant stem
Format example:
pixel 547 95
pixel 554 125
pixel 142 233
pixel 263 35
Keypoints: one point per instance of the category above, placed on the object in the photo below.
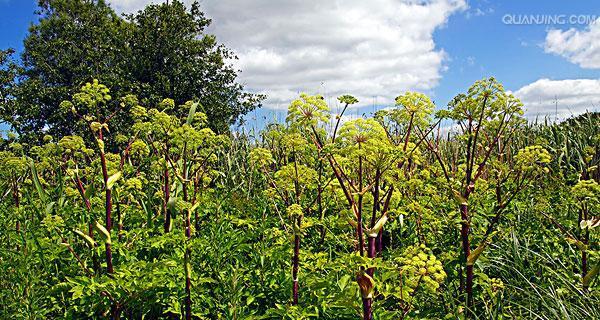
pixel 167 217
pixel 367 308
pixel 464 213
pixel 371 253
pixel 295 267
pixel 108 205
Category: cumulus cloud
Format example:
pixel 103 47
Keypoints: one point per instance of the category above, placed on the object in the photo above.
pixel 561 98
pixel 377 48
pixel 581 47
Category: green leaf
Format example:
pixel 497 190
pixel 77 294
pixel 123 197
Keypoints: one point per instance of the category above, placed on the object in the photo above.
pixel 89 192
pixel 113 179
pixel 90 242
pixel 587 279
pixel 366 284
pixel 373 232
pixel 459 198
pixel 36 181
pixel 582 246
pixel 343 282
pixel 472 258
pixel 192 112
pixel 103 232
pixel 172 204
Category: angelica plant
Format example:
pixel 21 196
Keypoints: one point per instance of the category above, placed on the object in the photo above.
pixel 363 158
pixel 487 118
pixel 293 183
pixel 587 195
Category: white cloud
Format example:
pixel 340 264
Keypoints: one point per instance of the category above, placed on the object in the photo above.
pixel 562 98
pixel 372 48
pixel 581 47
pixel 131 5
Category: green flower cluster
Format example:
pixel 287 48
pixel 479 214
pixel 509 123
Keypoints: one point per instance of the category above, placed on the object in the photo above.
pixel 496 284
pixel 586 190
pixel 419 265
pixel 133 184
pixel 294 211
pixel 260 157
pixel 10 164
pixel 533 159
pixel 308 110
pixel 71 144
pixel 139 149
pixel 52 222
pixel 290 174
pixel 92 95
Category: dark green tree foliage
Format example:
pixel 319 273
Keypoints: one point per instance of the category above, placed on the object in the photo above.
pixel 8 71
pixel 74 41
pixel 172 57
pixel 159 52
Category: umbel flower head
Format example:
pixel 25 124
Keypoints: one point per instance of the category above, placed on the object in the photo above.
pixel 363 137
pixel 419 265
pixel 294 211
pixel 92 95
pixel 586 190
pixel 260 157
pixel 533 159
pixel 308 111
pixel 415 107
pixel 347 99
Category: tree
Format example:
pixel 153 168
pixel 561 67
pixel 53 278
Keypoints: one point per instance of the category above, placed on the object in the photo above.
pixel 73 42
pixel 159 52
pixel 172 57
pixel 8 70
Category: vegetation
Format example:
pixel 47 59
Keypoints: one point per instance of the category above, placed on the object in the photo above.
pixel 391 217
pixel 124 195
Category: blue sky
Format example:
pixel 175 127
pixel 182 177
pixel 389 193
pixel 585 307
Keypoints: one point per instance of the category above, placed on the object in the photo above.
pixel 514 54
pixel 439 47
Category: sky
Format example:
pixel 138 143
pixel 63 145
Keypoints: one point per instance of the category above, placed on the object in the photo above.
pixel 546 52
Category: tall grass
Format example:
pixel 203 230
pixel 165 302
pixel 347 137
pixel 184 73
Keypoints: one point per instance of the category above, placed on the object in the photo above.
pixel 539 284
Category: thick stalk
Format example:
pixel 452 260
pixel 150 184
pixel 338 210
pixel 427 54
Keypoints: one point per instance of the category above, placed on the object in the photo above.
pixel 464 233
pixel 371 253
pixel 167 217
pixel 367 308
pixel 109 264
pixel 295 267
pixel 585 240
pixel 386 206
pixel 108 205
pixel 188 251
pixel 188 285
pixel 296 256
pixel 359 222
pixel 15 194
pixel 88 206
